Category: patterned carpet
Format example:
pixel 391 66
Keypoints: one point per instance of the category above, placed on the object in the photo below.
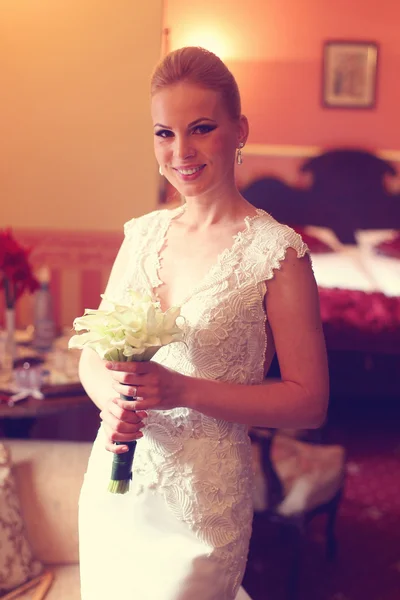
pixel 368 527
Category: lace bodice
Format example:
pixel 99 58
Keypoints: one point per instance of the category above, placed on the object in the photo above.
pixel 202 465
pixel 224 315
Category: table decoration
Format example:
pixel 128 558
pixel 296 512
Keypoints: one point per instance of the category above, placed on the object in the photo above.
pixel 16 278
pixel 57 371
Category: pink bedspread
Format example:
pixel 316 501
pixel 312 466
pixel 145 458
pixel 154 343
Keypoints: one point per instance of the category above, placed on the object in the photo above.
pixel 360 320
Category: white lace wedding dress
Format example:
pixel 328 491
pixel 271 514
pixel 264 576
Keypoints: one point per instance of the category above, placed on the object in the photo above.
pixel 182 531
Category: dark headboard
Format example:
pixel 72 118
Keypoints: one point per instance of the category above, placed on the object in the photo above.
pixel 347 193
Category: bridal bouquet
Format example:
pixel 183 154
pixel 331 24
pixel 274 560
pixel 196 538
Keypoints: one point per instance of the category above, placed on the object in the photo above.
pixel 131 332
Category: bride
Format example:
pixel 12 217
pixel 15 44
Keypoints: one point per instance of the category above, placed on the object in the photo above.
pixel 246 289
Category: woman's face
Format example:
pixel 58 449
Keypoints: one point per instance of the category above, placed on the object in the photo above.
pixel 195 140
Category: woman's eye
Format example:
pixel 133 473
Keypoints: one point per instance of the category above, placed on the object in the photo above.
pixel 202 129
pixel 164 133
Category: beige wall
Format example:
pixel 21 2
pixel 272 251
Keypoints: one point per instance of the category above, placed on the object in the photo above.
pixel 76 141
pixel 274 49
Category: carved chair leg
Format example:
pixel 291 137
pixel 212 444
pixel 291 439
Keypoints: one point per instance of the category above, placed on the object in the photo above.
pixel 297 532
pixel 331 541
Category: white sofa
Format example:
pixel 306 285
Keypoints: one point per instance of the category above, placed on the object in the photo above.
pixel 49 475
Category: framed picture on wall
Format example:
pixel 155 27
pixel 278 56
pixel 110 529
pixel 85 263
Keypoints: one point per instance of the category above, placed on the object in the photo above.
pixel 349 74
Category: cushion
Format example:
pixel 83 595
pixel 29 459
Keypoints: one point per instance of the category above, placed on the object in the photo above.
pixel 390 247
pixel 369 239
pixel 311 474
pixel 320 240
pixel 49 476
pixel 65 585
pixel 17 561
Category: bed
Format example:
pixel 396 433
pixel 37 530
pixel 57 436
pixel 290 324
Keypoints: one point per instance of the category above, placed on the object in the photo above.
pixel 352 226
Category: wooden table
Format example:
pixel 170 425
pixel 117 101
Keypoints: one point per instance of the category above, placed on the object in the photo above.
pixel 17 420
pixel 32 407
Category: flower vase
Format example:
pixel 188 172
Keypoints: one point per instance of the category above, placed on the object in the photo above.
pixel 10 347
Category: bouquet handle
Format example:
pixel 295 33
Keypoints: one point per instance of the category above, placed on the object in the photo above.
pixel 121 471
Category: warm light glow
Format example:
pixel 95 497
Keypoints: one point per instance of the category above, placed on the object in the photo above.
pixel 213 39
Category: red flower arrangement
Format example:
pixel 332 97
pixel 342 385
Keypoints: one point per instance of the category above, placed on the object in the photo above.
pixel 16 275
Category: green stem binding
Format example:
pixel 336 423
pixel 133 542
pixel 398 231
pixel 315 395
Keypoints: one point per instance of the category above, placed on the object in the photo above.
pixel 121 472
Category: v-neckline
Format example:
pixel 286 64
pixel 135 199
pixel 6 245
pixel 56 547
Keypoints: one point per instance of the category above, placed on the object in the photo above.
pixel 156 282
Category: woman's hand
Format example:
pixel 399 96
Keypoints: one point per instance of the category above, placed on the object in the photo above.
pixel 121 424
pixel 154 386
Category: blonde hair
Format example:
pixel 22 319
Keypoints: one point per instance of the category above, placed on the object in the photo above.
pixel 200 67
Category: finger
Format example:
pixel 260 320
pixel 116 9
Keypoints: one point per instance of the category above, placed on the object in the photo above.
pixel 142 414
pixel 131 392
pixel 144 404
pixel 140 368
pixel 120 409
pixel 111 408
pixel 128 414
pixel 117 366
pixel 129 405
pixel 126 390
pixel 115 427
pixel 121 425
pixel 122 436
pixel 117 448
pixel 128 378
pixel 113 415
pixel 133 417
pixel 149 399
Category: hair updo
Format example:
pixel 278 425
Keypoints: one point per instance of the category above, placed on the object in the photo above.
pixel 199 67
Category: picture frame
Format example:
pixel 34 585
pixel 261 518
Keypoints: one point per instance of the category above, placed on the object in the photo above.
pixel 349 74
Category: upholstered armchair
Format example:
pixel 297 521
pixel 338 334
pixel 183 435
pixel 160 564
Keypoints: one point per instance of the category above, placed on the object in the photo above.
pixel 294 482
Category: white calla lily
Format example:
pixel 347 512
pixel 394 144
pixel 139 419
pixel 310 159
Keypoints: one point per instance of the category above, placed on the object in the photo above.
pixel 127 332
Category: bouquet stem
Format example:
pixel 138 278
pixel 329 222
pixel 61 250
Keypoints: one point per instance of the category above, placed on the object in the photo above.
pixel 121 472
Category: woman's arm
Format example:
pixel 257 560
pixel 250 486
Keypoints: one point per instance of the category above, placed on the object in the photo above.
pixel 300 399
pixel 95 378
pixel 119 425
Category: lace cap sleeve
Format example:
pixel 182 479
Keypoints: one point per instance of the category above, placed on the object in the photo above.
pixel 285 237
pixel 272 242
pixel 292 239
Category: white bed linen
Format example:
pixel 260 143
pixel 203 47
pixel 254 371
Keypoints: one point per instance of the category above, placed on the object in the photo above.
pixel 355 268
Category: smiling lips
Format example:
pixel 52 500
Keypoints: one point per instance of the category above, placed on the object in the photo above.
pixel 190 173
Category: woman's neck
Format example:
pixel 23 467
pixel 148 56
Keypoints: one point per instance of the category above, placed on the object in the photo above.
pixel 201 212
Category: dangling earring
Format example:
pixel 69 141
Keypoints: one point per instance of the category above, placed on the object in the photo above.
pixel 160 170
pixel 239 158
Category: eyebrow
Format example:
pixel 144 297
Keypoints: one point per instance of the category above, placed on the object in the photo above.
pixel 190 124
